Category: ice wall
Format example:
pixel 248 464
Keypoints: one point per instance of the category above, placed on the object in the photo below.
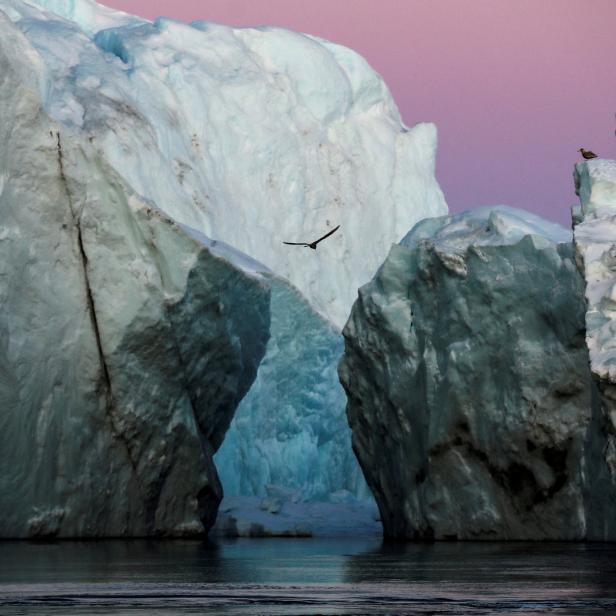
pixel 290 431
pixel 469 394
pixel 595 244
pixel 125 343
pixel 250 135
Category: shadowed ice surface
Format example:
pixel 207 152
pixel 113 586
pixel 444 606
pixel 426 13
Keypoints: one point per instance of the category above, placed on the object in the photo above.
pixel 310 576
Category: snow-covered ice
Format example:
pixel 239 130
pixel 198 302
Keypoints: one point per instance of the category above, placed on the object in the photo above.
pixel 595 240
pixel 595 245
pixel 490 225
pixel 279 514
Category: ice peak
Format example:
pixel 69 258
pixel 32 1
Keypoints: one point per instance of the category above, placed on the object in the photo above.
pixel 89 15
pixel 595 184
pixel 496 225
pixel 248 135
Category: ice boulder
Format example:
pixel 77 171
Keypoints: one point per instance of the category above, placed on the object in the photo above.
pixel 467 378
pixel 250 135
pixel 595 245
pixel 126 342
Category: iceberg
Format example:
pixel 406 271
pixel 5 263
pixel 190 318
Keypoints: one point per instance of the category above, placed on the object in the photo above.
pixel 594 224
pixel 243 138
pixel 126 343
pixel 469 393
pixel 290 430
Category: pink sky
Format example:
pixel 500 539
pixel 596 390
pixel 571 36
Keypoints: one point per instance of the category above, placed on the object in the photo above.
pixel 514 86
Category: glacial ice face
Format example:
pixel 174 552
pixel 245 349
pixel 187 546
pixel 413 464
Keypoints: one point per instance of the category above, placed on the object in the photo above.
pixel 250 135
pixel 289 435
pixel 595 240
pixel 467 381
pixel 595 246
pixel 125 343
pixel 290 431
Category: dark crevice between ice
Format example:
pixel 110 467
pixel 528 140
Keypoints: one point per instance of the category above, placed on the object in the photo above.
pixel 109 403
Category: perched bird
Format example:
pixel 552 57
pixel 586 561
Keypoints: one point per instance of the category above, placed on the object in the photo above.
pixel 587 154
pixel 313 245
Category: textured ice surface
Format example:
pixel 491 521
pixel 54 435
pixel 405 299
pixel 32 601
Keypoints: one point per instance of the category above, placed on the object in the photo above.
pixel 468 383
pixel 595 239
pixel 250 135
pixel 496 225
pixel 125 343
pixel 595 245
pixel 291 429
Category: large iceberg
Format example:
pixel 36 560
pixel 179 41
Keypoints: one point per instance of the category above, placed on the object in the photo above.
pixel 469 393
pixel 595 244
pixel 250 136
pixel 126 343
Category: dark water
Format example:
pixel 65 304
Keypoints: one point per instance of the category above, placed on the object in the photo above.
pixel 306 576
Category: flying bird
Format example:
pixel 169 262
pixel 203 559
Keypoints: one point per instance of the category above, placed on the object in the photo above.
pixel 587 154
pixel 313 245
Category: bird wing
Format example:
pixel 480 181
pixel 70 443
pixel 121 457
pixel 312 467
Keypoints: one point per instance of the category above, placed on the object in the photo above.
pixel 296 243
pixel 326 235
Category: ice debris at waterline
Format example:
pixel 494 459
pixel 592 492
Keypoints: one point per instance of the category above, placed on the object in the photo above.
pixel 126 343
pixel 469 394
pixel 250 135
pixel 595 245
pixel 282 514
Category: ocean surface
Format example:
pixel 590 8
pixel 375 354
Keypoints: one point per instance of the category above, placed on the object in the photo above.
pixel 305 576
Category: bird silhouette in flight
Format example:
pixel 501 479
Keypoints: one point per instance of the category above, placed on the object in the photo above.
pixel 313 245
pixel 587 154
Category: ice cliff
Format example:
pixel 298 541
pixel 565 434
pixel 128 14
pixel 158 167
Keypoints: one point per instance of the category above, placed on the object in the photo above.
pixel 126 343
pixel 467 378
pixel 595 244
pixel 251 135
pixel 303 444
pixel 248 136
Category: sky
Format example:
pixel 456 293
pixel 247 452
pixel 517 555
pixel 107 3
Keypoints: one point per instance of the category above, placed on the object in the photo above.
pixel 515 87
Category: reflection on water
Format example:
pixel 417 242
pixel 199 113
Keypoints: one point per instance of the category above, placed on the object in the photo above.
pixel 306 576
